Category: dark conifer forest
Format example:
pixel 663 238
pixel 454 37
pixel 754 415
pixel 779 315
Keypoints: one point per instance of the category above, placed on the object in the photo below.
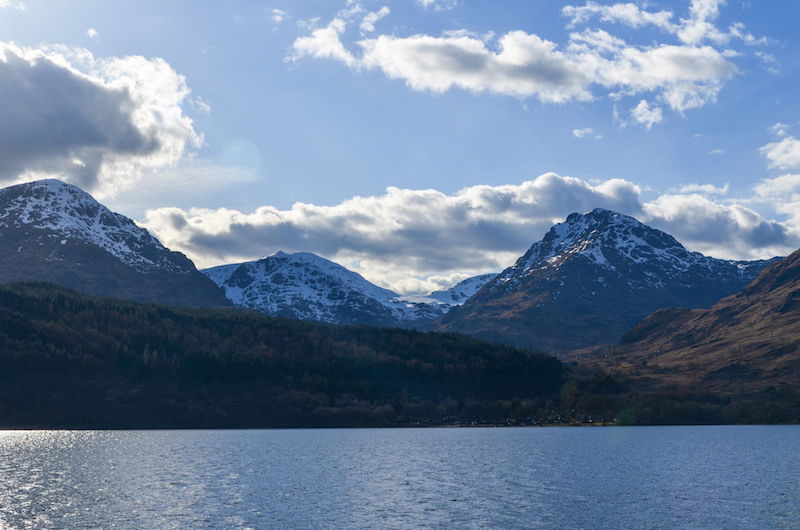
pixel 69 360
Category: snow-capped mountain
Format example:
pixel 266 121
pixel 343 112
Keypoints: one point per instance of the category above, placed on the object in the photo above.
pixel 590 279
pixel 307 287
pixel 53 231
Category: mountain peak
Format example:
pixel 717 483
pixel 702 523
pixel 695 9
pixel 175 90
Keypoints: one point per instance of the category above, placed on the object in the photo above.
pixel 606 238
pixel 59 209
pixel 308 287
pixel 54 231
pixel 590 279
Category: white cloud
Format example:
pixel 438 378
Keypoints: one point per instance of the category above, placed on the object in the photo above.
pixel 716 152
pixel 199 105
pixel 369 20
pixel 737 31
pixel 92 33
pixel 325 43
pixel 7 3
pixel 681 76
pixel 782 188
pixel 703 189
pixel 439 5
pixel 119 117
pixel 722 230
pixel 770 62
pixel 646 115
pixel 628 14
pixel 699 26
pixel 784 154
pixel 779 129
pixel 524 65
pixel 580 133
pixel 407 238
pixel 278 15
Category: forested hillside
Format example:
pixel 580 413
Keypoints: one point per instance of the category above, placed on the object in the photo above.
pixel 74 360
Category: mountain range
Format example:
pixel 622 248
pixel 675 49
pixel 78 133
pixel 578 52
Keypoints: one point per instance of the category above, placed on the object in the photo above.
pixel 685 338
pixel 589 280
pixel 53 231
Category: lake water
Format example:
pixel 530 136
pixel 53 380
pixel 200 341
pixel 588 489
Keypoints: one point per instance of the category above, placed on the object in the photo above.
pixel 586 477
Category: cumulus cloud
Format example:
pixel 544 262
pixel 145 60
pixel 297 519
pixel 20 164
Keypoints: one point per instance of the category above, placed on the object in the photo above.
pixel 580 133
pixel 523 65
pixel 369 20
pixel 783 195
pixel 408 240
pixel 99 123
pixel 784 154
pixel 697 27
pixel 628 14
pixel 721 230
pixel 646 115
pixel 703 189
pixel 683 75
pixel 325 43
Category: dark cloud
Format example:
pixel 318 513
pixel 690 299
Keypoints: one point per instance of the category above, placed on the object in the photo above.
pixel 95 125
pixel 721 230
pixel 55 120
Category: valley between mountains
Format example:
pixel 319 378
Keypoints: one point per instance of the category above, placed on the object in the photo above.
pixel 650 332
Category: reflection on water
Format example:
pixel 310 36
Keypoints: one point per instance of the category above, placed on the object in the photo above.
pixel 664 477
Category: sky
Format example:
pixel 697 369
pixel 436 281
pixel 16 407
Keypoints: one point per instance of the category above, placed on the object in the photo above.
pixel 416 142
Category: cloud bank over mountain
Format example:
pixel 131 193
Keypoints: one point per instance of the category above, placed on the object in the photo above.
pixel 418 240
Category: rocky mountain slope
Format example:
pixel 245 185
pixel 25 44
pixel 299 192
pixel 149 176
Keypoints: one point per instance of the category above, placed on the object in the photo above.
pixel 589 280
pixel 56 232
pixel 305 286
pixel 748 341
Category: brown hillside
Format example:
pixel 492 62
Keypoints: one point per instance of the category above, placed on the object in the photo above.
pixel 746 342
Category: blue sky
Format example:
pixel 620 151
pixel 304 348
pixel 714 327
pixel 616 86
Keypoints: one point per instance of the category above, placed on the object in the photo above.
pixel 416 142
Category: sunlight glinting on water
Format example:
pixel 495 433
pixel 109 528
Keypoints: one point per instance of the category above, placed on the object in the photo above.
pixel 676 477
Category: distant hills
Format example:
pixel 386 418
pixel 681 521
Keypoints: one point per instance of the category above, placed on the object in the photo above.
pixel 589 280
pixel 52 231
